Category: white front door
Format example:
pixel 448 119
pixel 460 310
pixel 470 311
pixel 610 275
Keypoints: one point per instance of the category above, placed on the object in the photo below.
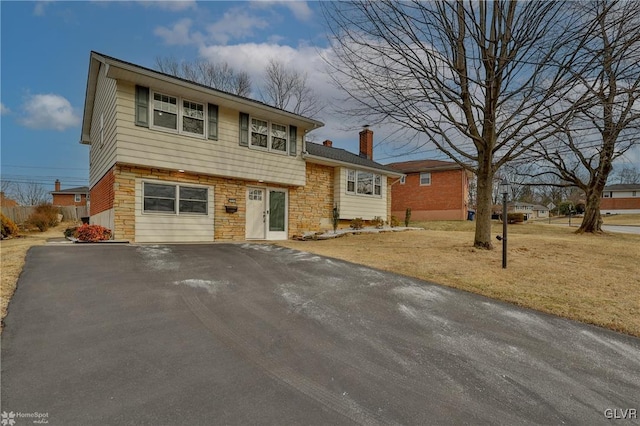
pixel 267 214
pixel 256 214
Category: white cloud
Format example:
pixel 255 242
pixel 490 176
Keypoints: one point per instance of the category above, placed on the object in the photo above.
pixel 176 35
pixel 300 9
pixel 236 23
pixel 49 111
pixel 39 8
pixel 173 6
pixel 3 109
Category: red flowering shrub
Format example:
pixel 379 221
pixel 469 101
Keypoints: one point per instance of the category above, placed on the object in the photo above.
pixel 92 233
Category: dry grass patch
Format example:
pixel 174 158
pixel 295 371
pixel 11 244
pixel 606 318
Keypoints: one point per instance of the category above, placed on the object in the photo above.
pixel 622 219
pixel 593 279
pixel 12 256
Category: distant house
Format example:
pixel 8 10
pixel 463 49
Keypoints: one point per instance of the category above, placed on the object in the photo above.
pixel 70 197
pixel 540 212
pixel 7 202
pixel 519 207
pixel 620 198
pixel 433 189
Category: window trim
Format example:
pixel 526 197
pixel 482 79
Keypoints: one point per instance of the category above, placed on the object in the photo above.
pixel 77 198
pixel 176 210
pixel 270 136
pixel 180 115
pixel 403 179
pixel 420 179
pixel 375 177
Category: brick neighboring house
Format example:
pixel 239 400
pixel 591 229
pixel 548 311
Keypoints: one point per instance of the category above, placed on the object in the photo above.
pixel 176 161
pixel 77 197
pixel 620 199
pixel 433 189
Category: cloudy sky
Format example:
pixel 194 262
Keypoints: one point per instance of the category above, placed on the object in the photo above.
pixel 45 58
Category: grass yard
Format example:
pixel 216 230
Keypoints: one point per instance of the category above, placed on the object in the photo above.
pixel 12 256
pixel 593 279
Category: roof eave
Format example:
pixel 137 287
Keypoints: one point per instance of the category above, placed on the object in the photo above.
pixel 331 162
pixel 115 64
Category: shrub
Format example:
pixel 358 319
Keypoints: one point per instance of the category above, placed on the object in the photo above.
pixel 92 233
pixel 49 211
pixel 40 221
pixel 70 232
pixel 377 222
pixel 335 218
pixel 394 222
pixel 9 228
pixel 515 217
pixel 357 223
pixel 407 216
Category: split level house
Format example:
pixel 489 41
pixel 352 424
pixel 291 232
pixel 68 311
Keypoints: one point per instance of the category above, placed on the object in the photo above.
pixel 433 189
pixel 620 198
pixel 77 197
pixel 175 161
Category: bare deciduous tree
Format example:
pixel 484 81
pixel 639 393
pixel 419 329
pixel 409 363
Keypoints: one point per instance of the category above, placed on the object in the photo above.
pixel 288 89
pixel 472 77
pixel 29 193
pixel 627 175
pixel 219 76
pixel 605 68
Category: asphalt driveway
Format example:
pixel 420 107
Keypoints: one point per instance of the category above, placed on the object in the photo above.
pixel 258 334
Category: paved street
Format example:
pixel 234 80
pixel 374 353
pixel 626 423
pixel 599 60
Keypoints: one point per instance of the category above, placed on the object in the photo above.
pixel 258 334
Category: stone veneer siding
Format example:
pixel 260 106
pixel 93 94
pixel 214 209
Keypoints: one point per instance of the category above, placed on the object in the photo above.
pixel 310 206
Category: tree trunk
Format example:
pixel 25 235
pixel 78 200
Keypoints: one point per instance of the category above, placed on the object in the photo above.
pixel 484 205
pixel 592 221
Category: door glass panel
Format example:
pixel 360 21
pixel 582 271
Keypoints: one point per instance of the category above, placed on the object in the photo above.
pixel 276 210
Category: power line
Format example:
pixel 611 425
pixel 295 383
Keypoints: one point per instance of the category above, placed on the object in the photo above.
pixel 45 168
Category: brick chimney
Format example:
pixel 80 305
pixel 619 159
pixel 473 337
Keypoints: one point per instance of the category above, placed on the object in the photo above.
pixel 57 185
pixel 328 143
pixel 366 143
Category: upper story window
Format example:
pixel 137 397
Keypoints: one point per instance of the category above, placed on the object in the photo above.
pixel 425 179
pixel 364 183
pixel 269 136
pixel 181 115
pixel 77 198
pixel 161 111
pixel 403 179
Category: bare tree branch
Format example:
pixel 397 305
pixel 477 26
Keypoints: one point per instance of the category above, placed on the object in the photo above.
pixel 472 78
pixel 219 76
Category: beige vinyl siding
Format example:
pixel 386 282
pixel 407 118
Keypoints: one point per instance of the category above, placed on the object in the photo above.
pixel 167 228
pixel 222 157
pixel 354 205
pixel 102 158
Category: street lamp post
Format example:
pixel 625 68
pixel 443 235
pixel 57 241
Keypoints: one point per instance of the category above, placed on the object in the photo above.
pixel 504 189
